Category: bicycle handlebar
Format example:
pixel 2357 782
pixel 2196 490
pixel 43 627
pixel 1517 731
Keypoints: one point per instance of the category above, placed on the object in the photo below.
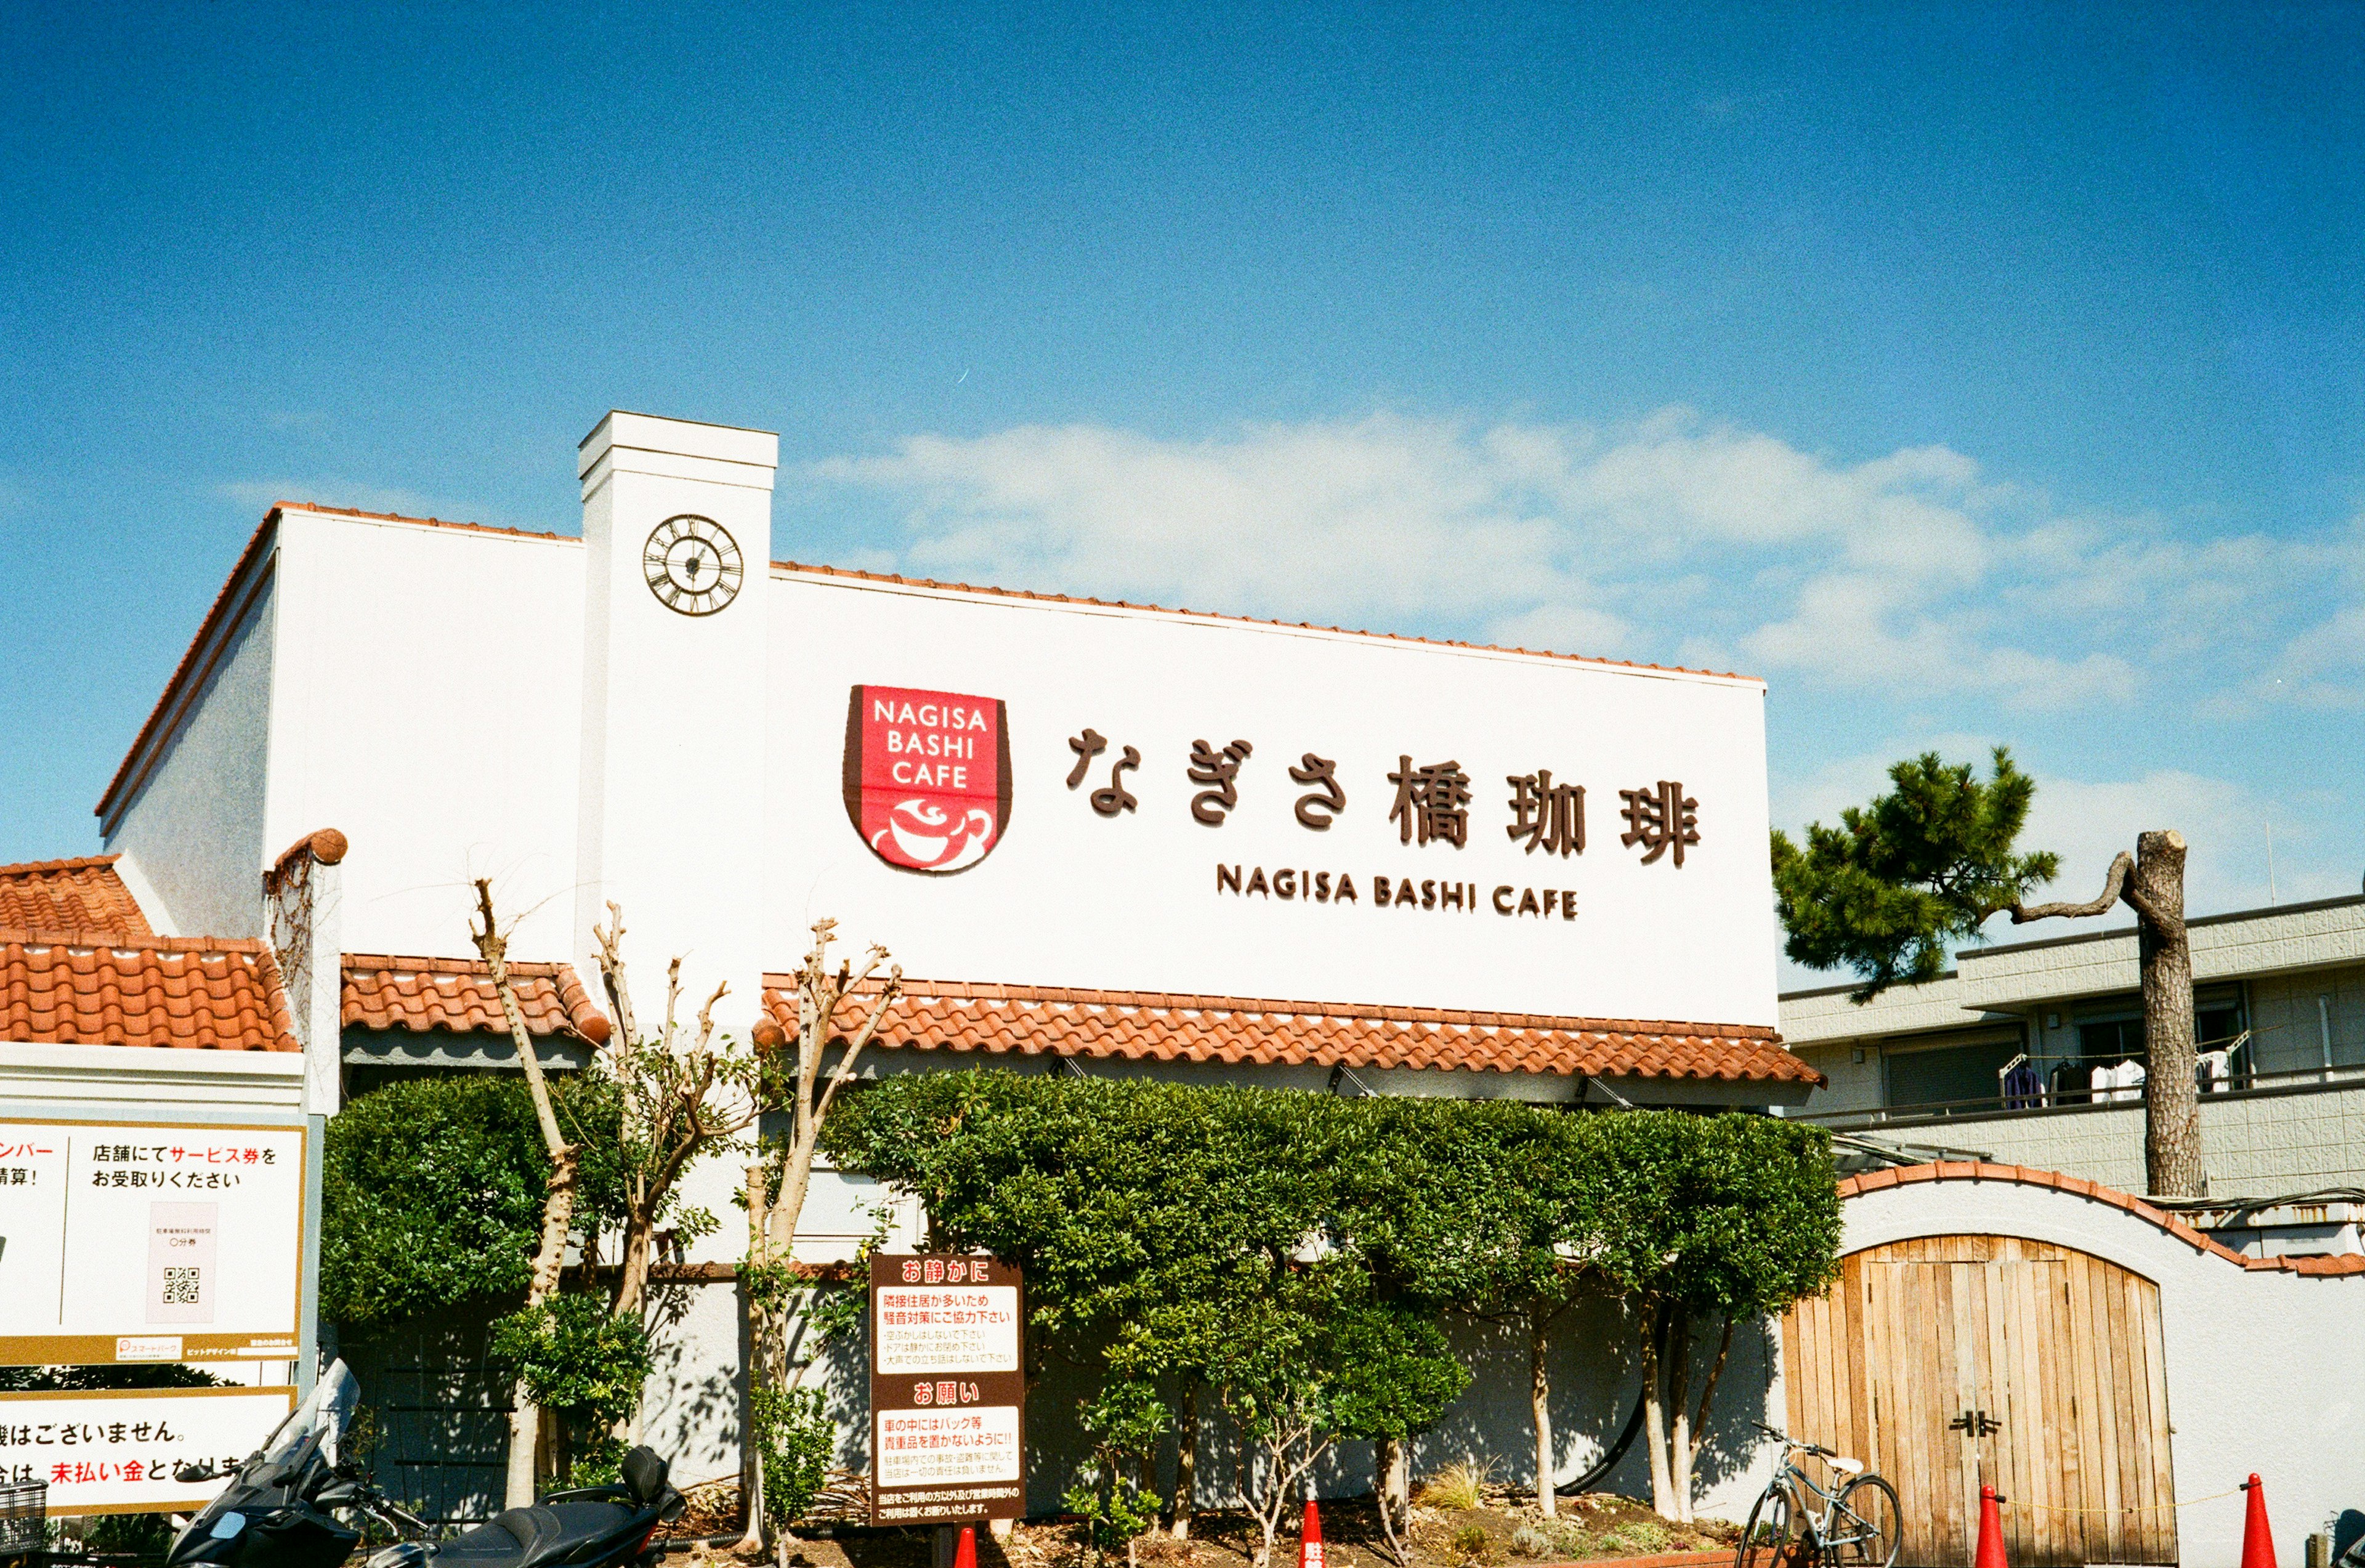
pixel 1794 1442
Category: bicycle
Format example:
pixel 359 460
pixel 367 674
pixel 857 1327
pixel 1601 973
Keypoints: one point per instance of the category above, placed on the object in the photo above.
pixel 1861 1524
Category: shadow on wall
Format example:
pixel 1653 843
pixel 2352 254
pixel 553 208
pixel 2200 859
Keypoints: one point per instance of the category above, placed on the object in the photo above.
pixel 692 1409
pixel 1595 1377
pixel 436 1414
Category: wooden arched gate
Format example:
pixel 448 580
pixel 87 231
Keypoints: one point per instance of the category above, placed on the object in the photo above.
pixel 1948 1360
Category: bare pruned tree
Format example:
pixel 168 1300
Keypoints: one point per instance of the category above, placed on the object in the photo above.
pixel 2151 883
pixel 776 1192
pixel 558 1199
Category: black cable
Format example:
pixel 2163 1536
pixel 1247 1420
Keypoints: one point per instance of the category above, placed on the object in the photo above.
pixel 1600 1473
pixel 1608 1461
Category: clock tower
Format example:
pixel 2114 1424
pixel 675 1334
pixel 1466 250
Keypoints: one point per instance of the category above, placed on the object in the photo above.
pixel 676 535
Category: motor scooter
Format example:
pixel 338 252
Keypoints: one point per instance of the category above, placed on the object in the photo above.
pixel 279 1509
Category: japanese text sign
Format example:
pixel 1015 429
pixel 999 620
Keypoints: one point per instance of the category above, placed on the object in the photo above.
pixel 114 1450
pixel 149 1241
pixel 948 1389
pixel 1196 806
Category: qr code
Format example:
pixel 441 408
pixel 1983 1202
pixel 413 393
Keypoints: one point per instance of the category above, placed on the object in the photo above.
pixel 180 1286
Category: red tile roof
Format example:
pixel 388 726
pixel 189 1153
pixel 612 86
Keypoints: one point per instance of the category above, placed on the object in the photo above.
pixel 1157 1026
pixel 70 895
pixel 382 992
pixel 97 988
pixel 2029 1176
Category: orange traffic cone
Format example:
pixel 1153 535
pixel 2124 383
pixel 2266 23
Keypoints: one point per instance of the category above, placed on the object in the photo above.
pixel 965 1554
pixel 1309 1540
pixel 1990 1548
pixel 2257 1540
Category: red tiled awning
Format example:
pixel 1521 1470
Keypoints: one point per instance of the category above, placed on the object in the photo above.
pixel 85 894
pixel 97 989
pixel 1158 1027
pixel 383 991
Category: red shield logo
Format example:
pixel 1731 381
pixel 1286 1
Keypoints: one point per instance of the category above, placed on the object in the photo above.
pixel 928 776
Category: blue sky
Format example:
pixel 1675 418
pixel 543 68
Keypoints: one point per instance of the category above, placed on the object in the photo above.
pixel 1971 373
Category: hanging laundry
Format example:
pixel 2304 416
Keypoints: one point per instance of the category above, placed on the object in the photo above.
pixel 2069 1085
pixel 2024 1088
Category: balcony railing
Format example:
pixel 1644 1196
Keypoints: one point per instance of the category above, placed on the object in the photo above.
pixel 1989 1107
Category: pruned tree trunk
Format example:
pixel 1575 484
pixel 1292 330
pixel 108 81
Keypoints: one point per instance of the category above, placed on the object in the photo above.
pixel 2171 1092
pixel 1679 1505
pixel 760 1368
pixel 1540 1406
pixel 1186 1463
pixel 1654 1412
pixel 557 1203
pixel 1391 1495
pixel 2151 883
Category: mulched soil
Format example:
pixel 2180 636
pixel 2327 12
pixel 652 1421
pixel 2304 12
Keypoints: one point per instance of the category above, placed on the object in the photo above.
pixel 1598 1525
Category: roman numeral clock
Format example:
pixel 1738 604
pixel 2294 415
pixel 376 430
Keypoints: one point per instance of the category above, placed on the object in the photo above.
pixel 692 565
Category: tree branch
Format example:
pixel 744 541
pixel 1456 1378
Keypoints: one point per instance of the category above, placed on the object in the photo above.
pixel 611 971
pixel 2114 887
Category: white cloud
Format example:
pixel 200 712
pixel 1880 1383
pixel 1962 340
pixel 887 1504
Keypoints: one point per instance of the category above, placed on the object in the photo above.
pixel 1907 575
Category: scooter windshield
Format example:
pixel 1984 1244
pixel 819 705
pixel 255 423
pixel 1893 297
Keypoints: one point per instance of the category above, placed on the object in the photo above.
pixel 319 1424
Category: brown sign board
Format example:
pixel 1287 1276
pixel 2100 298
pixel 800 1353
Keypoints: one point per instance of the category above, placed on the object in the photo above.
pixel 948 1389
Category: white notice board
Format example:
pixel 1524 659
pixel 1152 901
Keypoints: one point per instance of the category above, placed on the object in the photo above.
pixel 150 1241
pixel 114 1450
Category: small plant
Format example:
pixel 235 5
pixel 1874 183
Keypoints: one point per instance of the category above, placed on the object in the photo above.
pixel 1459 1487
pixel 1638 1537
pixel 1535 1542
pixel 1470 1543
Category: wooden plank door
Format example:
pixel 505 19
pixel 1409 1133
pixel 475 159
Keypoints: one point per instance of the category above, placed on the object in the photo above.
pixel 1947 1361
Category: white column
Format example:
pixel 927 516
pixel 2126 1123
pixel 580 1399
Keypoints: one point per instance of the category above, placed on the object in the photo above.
pixel 676 535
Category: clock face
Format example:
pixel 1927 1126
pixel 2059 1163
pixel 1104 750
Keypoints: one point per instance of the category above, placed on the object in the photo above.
pixel 692 565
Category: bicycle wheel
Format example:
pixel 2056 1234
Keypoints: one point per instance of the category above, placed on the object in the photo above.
pixel 1868 1526
pixel 1770 1538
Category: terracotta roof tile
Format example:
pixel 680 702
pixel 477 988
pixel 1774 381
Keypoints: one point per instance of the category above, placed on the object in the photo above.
pixel 70 895
pixel 100 988
pixel 1158 1027
pixel 382 992
pixel 2183 1230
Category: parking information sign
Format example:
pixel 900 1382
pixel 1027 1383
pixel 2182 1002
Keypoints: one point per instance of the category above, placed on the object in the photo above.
pixel 150 1241
pixel 948 1390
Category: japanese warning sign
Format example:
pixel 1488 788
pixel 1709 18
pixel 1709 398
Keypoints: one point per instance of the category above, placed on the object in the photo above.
pixel 928 776
pixel 114 1450
pixel 149 1241
pixel 948 1390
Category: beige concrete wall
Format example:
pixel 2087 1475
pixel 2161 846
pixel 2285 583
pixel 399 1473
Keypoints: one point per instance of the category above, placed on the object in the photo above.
pixel 2287 1028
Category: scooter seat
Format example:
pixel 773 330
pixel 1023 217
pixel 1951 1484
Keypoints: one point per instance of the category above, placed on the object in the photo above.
pixel 527 1538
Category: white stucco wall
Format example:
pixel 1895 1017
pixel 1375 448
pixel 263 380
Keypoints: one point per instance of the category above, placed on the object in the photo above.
pixel 426 706
pixel 2266 1370
pixel 192 830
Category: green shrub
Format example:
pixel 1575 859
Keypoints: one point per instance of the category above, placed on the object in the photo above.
pixel 575 1358
pixel 797 1439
